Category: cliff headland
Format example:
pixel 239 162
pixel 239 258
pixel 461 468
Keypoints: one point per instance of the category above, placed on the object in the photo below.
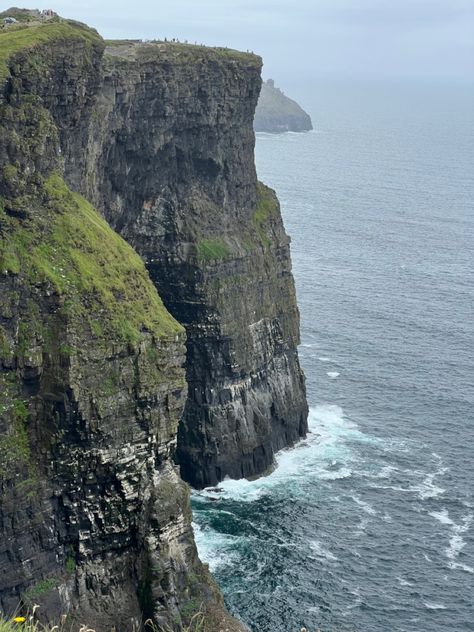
pixel 276 113
pixel 148 319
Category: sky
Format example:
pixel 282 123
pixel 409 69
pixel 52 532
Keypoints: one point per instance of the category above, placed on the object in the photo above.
pixel 428 40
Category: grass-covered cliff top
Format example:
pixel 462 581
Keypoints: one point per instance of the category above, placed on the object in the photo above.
pixel 33 30
pixel 28 35
pixel 177 51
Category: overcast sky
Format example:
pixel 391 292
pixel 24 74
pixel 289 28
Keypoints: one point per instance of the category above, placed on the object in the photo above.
pixel 301 39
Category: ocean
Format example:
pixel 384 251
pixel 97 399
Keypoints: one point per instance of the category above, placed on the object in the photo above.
pixel 368 524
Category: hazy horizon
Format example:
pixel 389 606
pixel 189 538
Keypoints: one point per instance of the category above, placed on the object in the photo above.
pixel 416 40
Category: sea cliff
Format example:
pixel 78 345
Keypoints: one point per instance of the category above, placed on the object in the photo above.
pixel 147 317
pixel 276 113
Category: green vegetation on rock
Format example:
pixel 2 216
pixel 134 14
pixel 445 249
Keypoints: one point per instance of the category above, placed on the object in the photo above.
pixel 180 52
pixel 210 249
pixel 99 276
pixel 265 210
pixel 42 587
pixel 14 446
pixel 25 37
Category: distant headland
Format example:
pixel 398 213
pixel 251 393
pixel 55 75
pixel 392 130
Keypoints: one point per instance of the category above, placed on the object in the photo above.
pixel 276 113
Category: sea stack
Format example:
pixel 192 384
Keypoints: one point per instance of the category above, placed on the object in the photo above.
pixel 276 113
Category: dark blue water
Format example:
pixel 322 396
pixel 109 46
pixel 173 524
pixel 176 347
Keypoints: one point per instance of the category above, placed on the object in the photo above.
pixel 367 525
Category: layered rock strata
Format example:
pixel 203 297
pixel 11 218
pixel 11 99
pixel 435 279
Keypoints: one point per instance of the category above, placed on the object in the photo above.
pixel 169 161
pixel 95 523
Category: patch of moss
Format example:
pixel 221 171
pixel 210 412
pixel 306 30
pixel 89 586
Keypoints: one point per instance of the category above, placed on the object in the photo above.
pixel 27 37
pixel 111 384
pixel 70 565
pixel 5 351
pixel 9 262
pixel 210 249
pixel 101 279
pixel 42 587
pixel 266 208
pixel 15 447
pixel 189 609
pixel 267 204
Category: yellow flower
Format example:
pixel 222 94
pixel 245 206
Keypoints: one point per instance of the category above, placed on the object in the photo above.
pixel 19 619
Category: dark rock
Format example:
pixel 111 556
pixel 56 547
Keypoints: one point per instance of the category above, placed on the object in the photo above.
pixel 95 522
pixel 213 241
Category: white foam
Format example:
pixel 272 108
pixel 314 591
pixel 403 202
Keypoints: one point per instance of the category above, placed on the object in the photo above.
pixel 361 527
pixel 333 374
pixel 215 549
pixel 462 567
pixel 324 454
pixel 404 582
pixel 427 488
pixel 434 606
pixel 324 359
pixel 386 471
pixel 335 475
pixel 321 551
pixel 367 507
pixel 456 541
pixel 442 516
pixel 456 545
pixel 314 609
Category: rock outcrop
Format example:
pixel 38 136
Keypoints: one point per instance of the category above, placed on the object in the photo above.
pixel 276 113
pixel 95 406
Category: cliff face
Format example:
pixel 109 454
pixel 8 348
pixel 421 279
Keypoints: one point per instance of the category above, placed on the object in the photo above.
pixel 94 520
pixel 276 113
pixel 95 405
pixel 182 190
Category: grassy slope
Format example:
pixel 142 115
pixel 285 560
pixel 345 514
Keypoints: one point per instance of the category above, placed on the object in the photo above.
pixel 15 39
pixel 95 271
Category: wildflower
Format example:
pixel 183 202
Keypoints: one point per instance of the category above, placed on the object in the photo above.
pixel 19 619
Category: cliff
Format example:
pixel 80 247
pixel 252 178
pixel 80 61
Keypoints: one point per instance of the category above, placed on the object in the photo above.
pixel 95 404
pixel 182 189
pixel 276 113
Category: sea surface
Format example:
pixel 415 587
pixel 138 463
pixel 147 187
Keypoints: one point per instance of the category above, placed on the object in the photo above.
pixel 368 524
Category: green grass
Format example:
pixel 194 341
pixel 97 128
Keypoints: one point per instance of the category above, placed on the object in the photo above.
pixel 266 208
pixel 184 53
pixel 211 249
pixel 100 278
pixel 26 623
pixel 14 446
pixel 70 565
pixel 24 37
pixel 267 204
pixel 41 588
